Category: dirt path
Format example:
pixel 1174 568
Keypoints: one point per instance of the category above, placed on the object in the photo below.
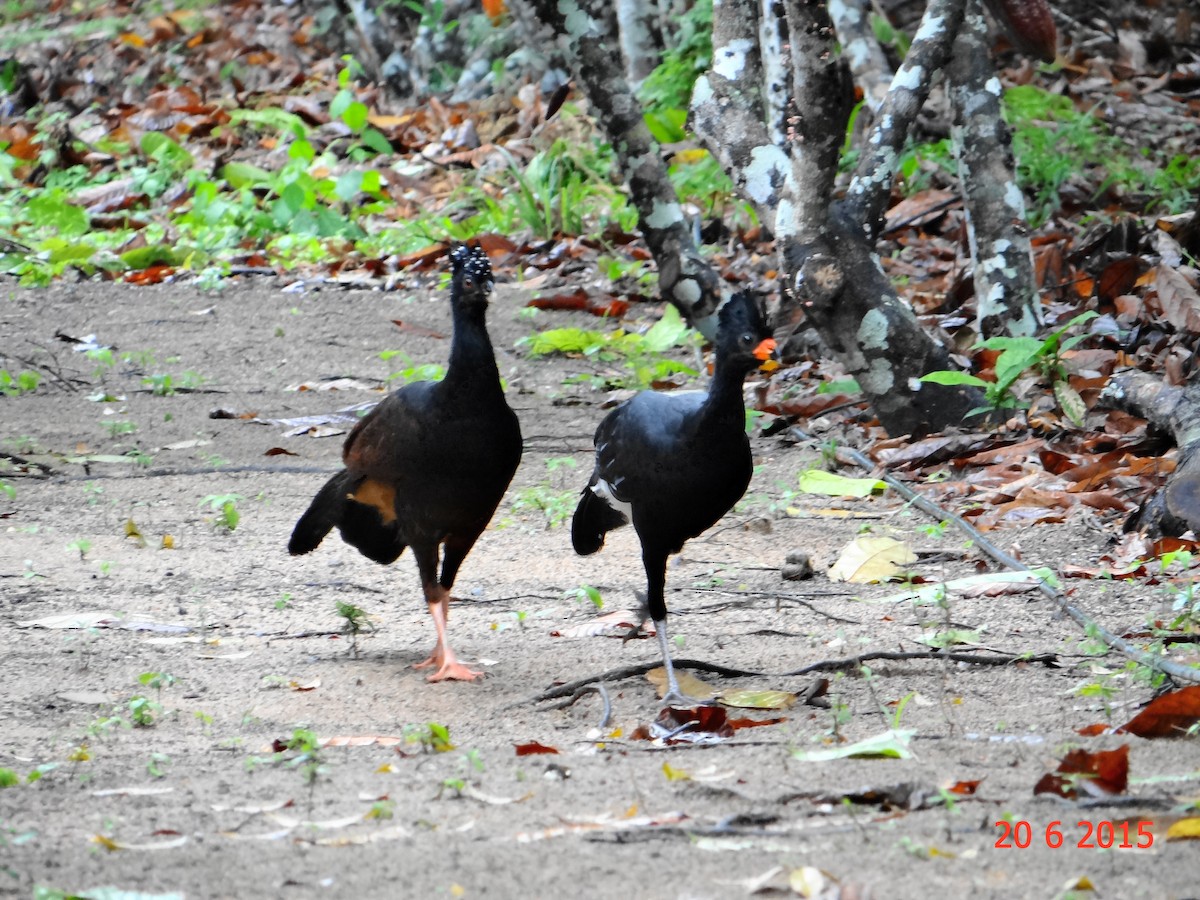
pixel 249 638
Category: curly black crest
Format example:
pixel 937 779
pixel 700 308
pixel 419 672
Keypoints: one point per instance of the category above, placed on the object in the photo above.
pixel 742 313
pixel 472 263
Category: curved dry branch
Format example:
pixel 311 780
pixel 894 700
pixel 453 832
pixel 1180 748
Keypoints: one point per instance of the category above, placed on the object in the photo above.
pixel 871 186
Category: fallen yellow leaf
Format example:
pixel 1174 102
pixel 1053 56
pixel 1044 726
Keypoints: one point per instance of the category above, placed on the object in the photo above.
pixel 674 774
pixel 868 560
pixel 1184 829
pixel 690 685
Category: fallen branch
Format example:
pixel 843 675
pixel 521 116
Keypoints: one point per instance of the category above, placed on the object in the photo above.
pixel 1090 626
pixel 1174 508
pixel 849 664
pixel 698 665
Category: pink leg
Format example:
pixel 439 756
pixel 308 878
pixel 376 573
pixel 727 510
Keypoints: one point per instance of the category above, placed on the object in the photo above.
pixel 448 666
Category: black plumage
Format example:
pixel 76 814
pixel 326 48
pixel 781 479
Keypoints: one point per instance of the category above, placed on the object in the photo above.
pixel 428 466
pixel 673 464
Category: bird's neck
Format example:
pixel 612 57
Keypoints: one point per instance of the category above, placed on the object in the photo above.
pixel 472 360
pixel 725 394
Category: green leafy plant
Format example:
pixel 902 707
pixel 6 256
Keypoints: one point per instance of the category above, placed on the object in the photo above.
pixel 1055 142
pixel 225 506
pixel 413 371
pixel 23 382
pixel 143 712
pixel 669 86
pixel 468 764
pixel 585 593
pixel 432 737
pixel 306 749
pixel 564 189
pixel 639 354
pixel 81 547
pixel 157 764
pixel 355 620
pixel 1019 354
pixel 555 505
pixel 117 428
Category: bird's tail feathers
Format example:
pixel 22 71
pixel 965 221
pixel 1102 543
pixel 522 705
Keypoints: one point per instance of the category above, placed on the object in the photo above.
pixel 593 519
pixel 325 511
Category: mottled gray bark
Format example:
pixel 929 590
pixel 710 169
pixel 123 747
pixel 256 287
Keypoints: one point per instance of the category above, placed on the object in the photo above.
pixel 871 185
pixel 868 64
pixel 641 39
pixel 786 166
pixel 727 111
pixel 587 31
pixel 1006 297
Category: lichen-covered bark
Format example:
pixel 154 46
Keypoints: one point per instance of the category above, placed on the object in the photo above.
pixel 871 185
pixel 727 110
pixel 866 59
pixel 822 97
pixel 878 339
pixel 781 148
pixel 587 31
pixel 641 40
pixel 1005 294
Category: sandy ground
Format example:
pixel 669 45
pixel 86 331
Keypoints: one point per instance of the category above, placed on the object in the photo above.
pixel 196 804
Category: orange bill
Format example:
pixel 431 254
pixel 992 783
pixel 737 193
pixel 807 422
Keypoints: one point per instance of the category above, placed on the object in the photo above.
pixel 764 350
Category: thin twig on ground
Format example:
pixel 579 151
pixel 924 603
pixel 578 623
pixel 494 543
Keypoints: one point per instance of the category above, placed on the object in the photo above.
pixel 1090 626
pixel 848 663
pixel 605 716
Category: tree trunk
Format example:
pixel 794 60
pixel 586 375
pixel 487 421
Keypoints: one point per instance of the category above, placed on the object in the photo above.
pixel 587 29
pixel 786 166
pixel 641 40
pixel 1006 299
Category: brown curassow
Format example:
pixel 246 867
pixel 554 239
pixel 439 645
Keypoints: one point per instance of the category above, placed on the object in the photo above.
pixel 428 466
pixel 673 464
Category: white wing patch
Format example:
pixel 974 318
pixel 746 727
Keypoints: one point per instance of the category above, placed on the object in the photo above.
pixel 604 491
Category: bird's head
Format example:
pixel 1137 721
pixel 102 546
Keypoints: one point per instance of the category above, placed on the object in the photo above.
pixel 470 275
pixel 743 336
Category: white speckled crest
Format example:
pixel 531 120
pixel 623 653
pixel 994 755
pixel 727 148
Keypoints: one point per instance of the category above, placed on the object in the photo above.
pixel 471 261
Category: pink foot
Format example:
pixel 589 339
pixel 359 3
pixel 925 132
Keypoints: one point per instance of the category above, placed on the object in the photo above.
pixel 454 671
pixel 434 659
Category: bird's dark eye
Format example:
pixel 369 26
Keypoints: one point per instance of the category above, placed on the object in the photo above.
pixel 747 339
pixel 468 282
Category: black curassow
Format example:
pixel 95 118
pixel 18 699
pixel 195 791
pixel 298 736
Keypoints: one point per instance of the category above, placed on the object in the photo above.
pixel 673 464
pixel 428 466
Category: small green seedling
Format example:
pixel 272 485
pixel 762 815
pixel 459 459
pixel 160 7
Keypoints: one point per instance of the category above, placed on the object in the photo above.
pixel 81 547
pixel 143 711
pixel 1019 354
pixel 225 505
pixel 119 427
pixel 432 737
pixel 307 749
pixel 585 592
pixel 356 621
pixel 157 765
pixel 22 383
